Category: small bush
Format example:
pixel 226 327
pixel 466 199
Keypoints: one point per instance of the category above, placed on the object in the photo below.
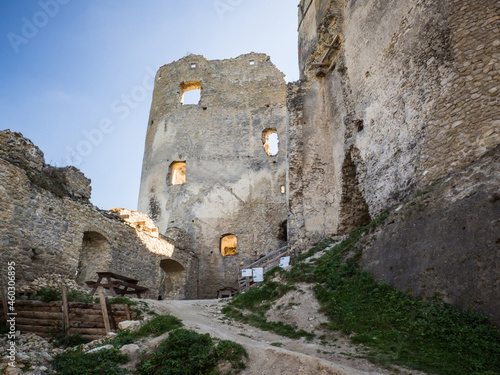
pixel 121 300
pixel 159 325
pixel 47 295
pixel 77 362
pixel 76 296
pixel 155 327
pixel 60 339
pixel 186 352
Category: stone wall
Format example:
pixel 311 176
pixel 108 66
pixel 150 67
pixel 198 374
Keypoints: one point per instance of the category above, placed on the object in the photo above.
pixel 45 233
pixel 411 94
pixel 234 184
pixel 403 106
pixel 445 241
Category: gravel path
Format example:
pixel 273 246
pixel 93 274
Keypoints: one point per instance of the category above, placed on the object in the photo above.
pixel 269 353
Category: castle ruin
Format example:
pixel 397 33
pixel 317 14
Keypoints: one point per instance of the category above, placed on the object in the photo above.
pixel 210 174
pixel 396 101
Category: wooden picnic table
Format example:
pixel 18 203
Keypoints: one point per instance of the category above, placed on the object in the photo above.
pixel 117 284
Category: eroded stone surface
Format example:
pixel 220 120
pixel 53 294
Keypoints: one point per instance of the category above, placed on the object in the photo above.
pixel 207 171
pixel 409 97
pixel 44 233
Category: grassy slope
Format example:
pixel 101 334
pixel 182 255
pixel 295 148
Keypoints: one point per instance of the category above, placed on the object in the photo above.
pixel 396 328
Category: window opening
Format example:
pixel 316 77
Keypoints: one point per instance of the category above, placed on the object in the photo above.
pixel 178 172
pixel 270 140
pixel 228 245
pixel 252 62
pixel 283 191
pixel 190 92
pixel 193 65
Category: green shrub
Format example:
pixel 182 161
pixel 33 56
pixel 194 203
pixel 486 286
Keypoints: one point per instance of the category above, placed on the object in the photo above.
pixel 159 325
pixel 155 327
pixel 76 296
pixel 121 300
pixel 77 362
pixel 48 295
pixel 186 352
pixel 60 339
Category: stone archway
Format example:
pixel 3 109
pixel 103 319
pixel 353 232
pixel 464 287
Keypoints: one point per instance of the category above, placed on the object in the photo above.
pixel 95 256
pixel 172 280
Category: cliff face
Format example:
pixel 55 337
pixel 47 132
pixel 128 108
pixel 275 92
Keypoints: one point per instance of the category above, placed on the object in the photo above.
pixel 394 96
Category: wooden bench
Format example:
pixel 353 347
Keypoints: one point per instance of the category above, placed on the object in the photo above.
pixel 117 284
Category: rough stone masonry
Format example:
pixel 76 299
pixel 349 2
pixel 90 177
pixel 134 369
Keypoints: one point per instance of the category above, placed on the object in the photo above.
pixel 397 104
pixel 48 226
pixel 210 172
pixel 398 98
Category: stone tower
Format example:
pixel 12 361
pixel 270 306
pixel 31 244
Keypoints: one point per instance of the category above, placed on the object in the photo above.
pixel 213 178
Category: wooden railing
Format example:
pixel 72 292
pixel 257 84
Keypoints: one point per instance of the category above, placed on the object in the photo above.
pixel 271 260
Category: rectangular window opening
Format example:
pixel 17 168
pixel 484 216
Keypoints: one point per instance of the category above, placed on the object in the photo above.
pixel 178 172
pixel 270 141
pixel 228 245
pixel 190 92
pixel 252 62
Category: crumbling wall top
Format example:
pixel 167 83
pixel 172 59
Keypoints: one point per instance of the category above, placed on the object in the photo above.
pixel 63 182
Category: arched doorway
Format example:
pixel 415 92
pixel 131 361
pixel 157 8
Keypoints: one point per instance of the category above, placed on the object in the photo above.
pixel 172 280
pixel 95 256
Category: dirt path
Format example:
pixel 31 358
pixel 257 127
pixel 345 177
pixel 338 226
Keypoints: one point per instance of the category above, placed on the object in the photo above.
pixel 271 354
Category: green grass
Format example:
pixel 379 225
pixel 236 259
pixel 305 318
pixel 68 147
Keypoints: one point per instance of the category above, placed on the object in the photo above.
pixel 258 301
pixel 155 327
pixel 396 328
pixel 77 362
pixel 76 296
pixel 186 352
pixel 258 320
pixel 47 295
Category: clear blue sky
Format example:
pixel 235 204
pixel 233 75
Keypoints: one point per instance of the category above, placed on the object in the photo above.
pixel 78 73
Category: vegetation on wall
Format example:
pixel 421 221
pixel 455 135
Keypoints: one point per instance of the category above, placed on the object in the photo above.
pixel 394 327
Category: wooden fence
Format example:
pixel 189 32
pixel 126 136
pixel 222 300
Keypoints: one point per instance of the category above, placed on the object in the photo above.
pixel 271 260
pixel 86 319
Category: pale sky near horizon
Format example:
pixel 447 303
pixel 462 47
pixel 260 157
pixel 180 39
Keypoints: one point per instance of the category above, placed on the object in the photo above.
pixel 76 76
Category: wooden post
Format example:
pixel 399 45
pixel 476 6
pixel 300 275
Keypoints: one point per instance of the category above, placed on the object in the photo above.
pixel 104 309
pixel 4 303
pixel 247 284
pixel 127 312
pixel 65 309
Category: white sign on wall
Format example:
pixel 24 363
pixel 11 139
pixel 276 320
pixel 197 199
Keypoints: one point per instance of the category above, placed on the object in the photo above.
pixel 258 274
pixel 246 272
pixel 284 262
